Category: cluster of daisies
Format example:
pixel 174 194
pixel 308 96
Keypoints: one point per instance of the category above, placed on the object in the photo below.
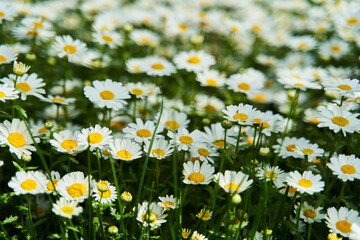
pixel 244 98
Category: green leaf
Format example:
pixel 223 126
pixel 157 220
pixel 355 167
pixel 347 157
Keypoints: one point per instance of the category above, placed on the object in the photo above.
pixel 73 229
pixel 10 219
pixel 18 167
pixel 21 111
pixel 73 160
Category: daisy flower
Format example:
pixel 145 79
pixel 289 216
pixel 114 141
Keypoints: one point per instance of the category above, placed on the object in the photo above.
pixel 214 135
pixel 125 150
pixel 196 174
pixel 160 149
pixel 338 119
pixel 210 78
pixel 29 85
pixel 140 131
pixel 172 119
pixel 203 152
pixel 7 54
pixel 7 12
pixel 153 215
pixel 168 202
pixel 58 100
pixel 299 83
pixel 143 37
pixel 107 94
pixel 139 89
pixel 16 136
pixel 242 114
pixel 158 66
pixel 343 86
pixel 204 214
pixel 309 213
pixel 51 186
pixel 103 192
pixel 66 208
pixel 269 173
pixel 135 65
pixel 66 46
pixel 197 236
pixel 309 150
pixel 183 139
pixel 288 146
pixel 302 43
pixel 242 83
pixel 345 167
pixel 66 142
pixel 208 105
pixel 233 182
pixel 341 221
pixel 31 182
pixel 75 186
pixel 306 182
pixel 109 38
pixel 8 93
pixel 335 48
pixel 95 137
pixel 194 61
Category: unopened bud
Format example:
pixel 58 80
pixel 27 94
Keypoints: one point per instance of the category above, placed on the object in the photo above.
pixel 49 125
pixel 128 27
pixel 26 157
pixel 51 61
pixel 126 197
pixel 206 121
pixel 20 68
pixel 226 124
pixel 113 230
pixel 264 151
pixel 30 56
pixel 87 83
pixel 236 198
pixel 291 93
pixel 254 161
pixel 267 233
pixel 197 39
pixel 102 186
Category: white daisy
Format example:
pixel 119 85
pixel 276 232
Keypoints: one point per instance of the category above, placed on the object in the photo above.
pixel 233 182
pixel 109 38
pixel 7 54
pixel 58 100
pixel 308 150
pixel 143 37
pixel 95 137
pixel 306 182
pixel 158 66
pixel 287 147
pixel 66 46
pixel 139 89
pixel 160 148
pixel 31 182
pixel 269 173
pixel 169 202
pixel 125 150
pixel 309 213
pixel 242 83
pixel 335 48
pixel 66 208
pixel 152 215
pixel 51 186
pixel 75 186
pixel 196 174
pixel 242 114
pixel 208 105
pixel 7 12
pixel 210 78
pixel 194 61
pixel 345 167
pixel 135 65
pixel 8 93
pixel 203 152
pixel 107 196
pixel 66 142
pixel 341 221
pixel 343 86
pixel 172 119
pixel 214 136
pixel 107 94
pixel 140 131
pixel 183 139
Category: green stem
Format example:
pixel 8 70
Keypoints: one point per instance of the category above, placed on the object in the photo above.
pixel 134 111
pixel 31 224
pixel 98 162
pixel 89 195
pixel 309 232
pixel 72 225
pixel 237 141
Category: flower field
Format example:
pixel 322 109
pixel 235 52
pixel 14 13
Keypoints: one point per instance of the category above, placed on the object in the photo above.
pixel 166 119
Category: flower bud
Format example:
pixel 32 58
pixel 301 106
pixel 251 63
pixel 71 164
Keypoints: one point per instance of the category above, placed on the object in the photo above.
pixel 236 198
pixel 26 157
pixel 226 124
pixel 206 121
pixel 49 125
pixel 20 68
pixel 126 197
pixel 197 39
pixel 30 56
pixel 113 230
pixel 102 186
pixel 128 27
pixel 264 151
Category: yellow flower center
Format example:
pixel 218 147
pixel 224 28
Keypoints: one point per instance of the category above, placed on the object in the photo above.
pixel 308 151
pixel 143 133
pixel 232 186
pixel 292 189
pixel 343 226
pixel 241 116
pixel 23 86
pixel 340 121
pixel 3 58
pixel 303 46
pixel 265 125
pixel 157 66
pixel 137 91
pixel 204 216
pixel 186 139
pixel 107 95
pixel 50 186
pixel 60 100
pixel 76 190
pixel 69 144
pixel 203 152
pixel 149 217
pixel 348 169
pixel 29 184
pixel 345 87
pixel 158 152
pixel 259 98
pixel 299 85
pixel 196 177
pixel 2 14
pixel 305 183
pixel 244 86
pixel 270 175
pixel 107 39
pixel 2 94
pixel 123 154
pixel 256 28
pixel 173 125
pixel 353 21
pixel 16 140
pixel 183 27
pixel 95 138
pixel 335 48
pixel 234 29
pixel 105 194
pixel 291 147
pixel 32 32
pixel 211 82
pixel 144 40
pixel 43 130
pixel 309 213
pixel 314 120
pixel 67 210
pixel 38 24
pixel 70 49
pixel 169 204
pixel 194 60
pixel 219 143
pixel 257 120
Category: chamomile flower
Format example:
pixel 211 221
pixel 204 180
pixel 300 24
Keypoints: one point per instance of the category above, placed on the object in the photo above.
pixel 8 93
pixel 308 150
pixel 203 152
pixel 66 46
pixel 125 149
pixel 158 66
pixel 210 78
pixel 31 182
pixel 194 61
pixel 107 196
pixel 153 215
pixel 208 105
pixel 302 43
pixel 52 186
pixel 269 173
pixel 341 221
pixel 135 65
pixel 172 119
pixel 75 186
pixel 7 12
pixel 139 89
pixel 169 202
pixel 95 137
pixel 66 142
pixel 338 119
pixel 143 37
pixel 335 48
pixel 309 213
pixel 15 135
pixel 233 182
pixel 108 38
pixel 197 236
pixel 214 136
pixel 343 86
pixel 306 182
pixel 242 83
pixel 196 174
pixel 67 208
pixel 345 167
pixel 242 114
pixel 58 100
pixel 107 94
pixel 183 139
pixel 287 147
pixel 28 85
pixel 160 148
pixel 204 214
pixel 7 54
pixel 140 131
